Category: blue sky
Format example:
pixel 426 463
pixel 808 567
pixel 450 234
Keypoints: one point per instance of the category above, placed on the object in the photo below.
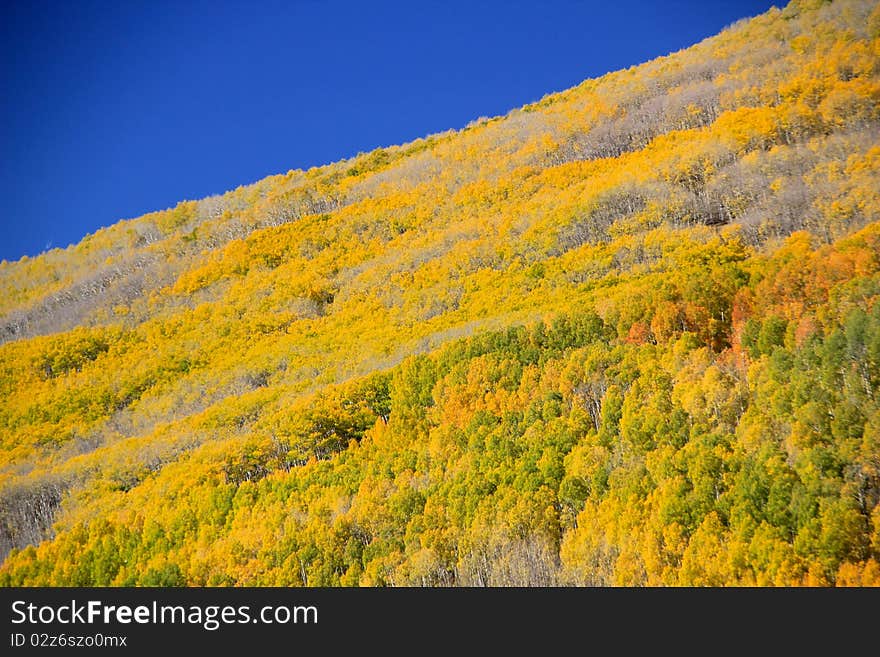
pixel 114 109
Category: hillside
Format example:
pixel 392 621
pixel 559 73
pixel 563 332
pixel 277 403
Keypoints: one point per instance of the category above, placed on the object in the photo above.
pixel 626 335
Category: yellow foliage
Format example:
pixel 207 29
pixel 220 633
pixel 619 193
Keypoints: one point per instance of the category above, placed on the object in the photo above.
pixel 626 335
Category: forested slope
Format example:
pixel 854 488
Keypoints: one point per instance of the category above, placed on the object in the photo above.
pixel 627 334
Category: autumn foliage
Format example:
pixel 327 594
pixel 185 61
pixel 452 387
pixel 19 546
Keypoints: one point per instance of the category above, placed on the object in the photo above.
pixel 626 335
